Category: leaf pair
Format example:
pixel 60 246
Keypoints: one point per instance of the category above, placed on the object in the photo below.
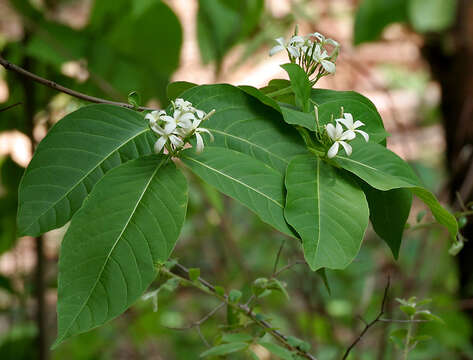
pixel 130 220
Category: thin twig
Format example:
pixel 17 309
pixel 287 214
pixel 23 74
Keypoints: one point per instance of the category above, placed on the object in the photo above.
pixel 403 321
pixel 12 67
pixel 370 324
pixel 201 321
pixel 242 308
pixel 10 106
pixel 288 266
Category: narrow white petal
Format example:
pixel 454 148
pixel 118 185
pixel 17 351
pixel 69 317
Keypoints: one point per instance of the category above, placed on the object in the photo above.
pixel 169 127
pixel 293 51
pixel 328 66
pixel 276 49
pixel 157 129
pixel 348 116
pixel 167 118
pixel 332 42
pixel 338 131
pixel 297 40
pixel 152 120
pixel 357 124
pixel 347 147
pixel 280 41
pixel 199 146
pixel 333 150
pixel 203 130
pixel 200 114
pixel 348 124
pixel 348 135
pixel 176 141
pixel 158 146
pixel 365 135
pixel 331 131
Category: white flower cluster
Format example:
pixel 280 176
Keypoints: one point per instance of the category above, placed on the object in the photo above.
pixel 175 131
pixel 341 137
pixel 310 53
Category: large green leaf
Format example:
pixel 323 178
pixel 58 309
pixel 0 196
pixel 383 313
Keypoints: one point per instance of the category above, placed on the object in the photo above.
pixel 130 221
pixel 327 209
pixel 373 16
pixel 384 170
pixel 248 180
pixel 432 15
pixel 244 124
pixel 74 155
pixel 389 211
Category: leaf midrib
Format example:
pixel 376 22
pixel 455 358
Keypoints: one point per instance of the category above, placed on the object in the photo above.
pixel 85 176
pixel 236 180
pixel 112 249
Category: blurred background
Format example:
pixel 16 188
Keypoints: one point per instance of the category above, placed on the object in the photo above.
pixel 412 58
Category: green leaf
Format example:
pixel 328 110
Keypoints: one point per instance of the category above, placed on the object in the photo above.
pixel 130 221
pixel 384 170
pixel 275 284
pixel 244 124
pixel 134 99
pixel 300 84
pixel 277 350
pixel 372 16
pixel 75 154
pixel 389 211
pixel 234 295
pixel 194 274
pixel 432 15
pixel 237 337
pixel 247 180
pixel 323 275
pixel 175 89
pixel 327 209
pixel 329 103
pixel 224 349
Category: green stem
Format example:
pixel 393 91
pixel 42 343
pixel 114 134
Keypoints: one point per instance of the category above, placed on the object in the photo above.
pixel 408 339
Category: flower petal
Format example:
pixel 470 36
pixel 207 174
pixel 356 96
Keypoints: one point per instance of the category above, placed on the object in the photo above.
pixel 176 141
pixel 293 51
pixel 333 150
pixel 200 114
pixel 276 49
pixel 348 135
pixel 158 146
pixel 157 129
pixel 199 146
pixel 348 124
pixel 203 130
pixel 347 147
pixel 364 134
pixel 357 124
pixel 328 66
pixel 331 131
pixel 338 131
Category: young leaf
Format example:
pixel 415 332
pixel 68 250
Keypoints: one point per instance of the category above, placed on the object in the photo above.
pixel 277 350
pixel 244 124
pixel 327 209
pixel 234 295
pixel 194 274
pixel 300 84
pixel 224 349
pixel 389 211
pixel 236 337
pixel 247 180
pixel 130 221
pixel 384 170
pixel 75 154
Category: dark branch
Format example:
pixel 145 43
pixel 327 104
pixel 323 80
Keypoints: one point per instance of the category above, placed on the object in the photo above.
pixel 10 106
pixel 370 324
pixel 12 67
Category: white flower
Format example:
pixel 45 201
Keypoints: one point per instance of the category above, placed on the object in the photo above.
pixel 180 118
pixel 154 116
pixel 168 133
pixel 194 129
pixel 293 46
pixel 347 120
pixel 323 39
pixel 320 56
pixel 338 136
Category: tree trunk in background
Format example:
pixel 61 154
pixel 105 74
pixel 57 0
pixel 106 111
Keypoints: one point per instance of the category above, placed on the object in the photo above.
pixel 451 60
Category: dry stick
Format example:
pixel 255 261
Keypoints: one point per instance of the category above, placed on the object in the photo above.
pixel 210 289
pixel 370 324
pixel 12 67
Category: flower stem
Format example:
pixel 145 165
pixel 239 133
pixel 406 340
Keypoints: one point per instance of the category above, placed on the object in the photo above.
pixel 408 338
